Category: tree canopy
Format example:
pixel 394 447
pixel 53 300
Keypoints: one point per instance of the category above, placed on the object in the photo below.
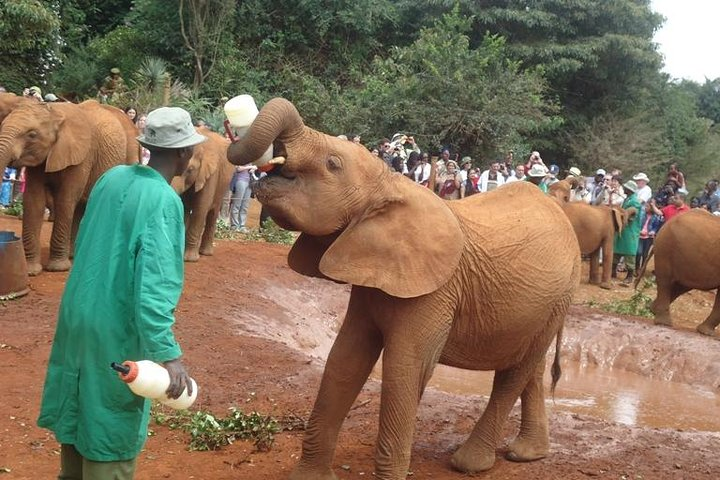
pixel 579 80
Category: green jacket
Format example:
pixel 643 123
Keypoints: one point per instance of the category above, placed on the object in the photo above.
pixel 117 305
pixel 627 242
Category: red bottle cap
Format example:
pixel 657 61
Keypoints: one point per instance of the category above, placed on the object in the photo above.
pixel 132 374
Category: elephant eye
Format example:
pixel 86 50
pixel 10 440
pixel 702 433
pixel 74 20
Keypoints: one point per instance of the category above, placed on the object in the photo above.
pixel 32 134
pixel 333 164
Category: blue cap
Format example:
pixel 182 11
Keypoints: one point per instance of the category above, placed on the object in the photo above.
pixel 554 169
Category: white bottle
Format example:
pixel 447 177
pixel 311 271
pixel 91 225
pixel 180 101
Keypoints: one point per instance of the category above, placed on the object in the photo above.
pixel 150 380
pixel 241 112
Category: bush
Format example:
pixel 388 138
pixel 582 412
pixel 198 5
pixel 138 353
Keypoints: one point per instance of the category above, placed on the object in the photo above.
pixel 269 233
pixel 638 304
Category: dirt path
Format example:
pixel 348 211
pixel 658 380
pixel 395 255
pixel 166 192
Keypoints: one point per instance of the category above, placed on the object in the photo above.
pixel 255 333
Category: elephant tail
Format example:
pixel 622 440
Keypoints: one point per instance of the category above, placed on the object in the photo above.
pixel 555 371
pixel 641 272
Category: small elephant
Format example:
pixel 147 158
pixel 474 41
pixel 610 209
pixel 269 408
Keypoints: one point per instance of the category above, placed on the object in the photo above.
pixel 482 283
pixel 201 188
pixel 65 148
pixel 562 189
pixel 686 258
pixel 595 227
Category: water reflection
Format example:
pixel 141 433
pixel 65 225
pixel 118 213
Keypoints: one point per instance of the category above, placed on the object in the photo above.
pixel 614 395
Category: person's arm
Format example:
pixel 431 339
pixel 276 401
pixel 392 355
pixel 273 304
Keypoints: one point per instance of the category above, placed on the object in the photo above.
pixel 655 210
pixel 158 284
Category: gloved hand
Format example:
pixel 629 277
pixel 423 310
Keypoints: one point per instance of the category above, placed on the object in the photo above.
pixel 179 379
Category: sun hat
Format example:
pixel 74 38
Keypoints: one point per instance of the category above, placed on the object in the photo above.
pixel 600 171
pixel 630 185
pixel 170 127
pixel 641 176
pixel 36 90
pixel 50 97
pixel 465 160
pixel 575 172
pixel 452 162
pixel 538 170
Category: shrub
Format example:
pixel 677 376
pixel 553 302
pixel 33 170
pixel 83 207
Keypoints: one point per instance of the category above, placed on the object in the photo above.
pixel 15 209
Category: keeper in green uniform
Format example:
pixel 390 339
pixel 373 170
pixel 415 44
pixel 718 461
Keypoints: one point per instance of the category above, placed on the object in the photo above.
pixel 626 243
pixel 118 305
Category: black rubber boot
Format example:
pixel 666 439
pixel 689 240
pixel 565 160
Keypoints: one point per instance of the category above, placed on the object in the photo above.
pixel 628 279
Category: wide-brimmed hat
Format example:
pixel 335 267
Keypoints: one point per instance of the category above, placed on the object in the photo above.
pixel 630 185
pixel 35 90
pixel 451 162
pixel 465 161
pixel 575 172
pixel 538 170
pixel 641 176
pixel 170 127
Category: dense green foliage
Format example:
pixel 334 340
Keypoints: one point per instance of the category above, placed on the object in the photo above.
pixel 579 80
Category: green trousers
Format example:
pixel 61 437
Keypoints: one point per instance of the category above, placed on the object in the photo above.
pixel 74 466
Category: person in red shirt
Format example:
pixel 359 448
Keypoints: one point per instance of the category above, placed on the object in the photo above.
pixel 675 206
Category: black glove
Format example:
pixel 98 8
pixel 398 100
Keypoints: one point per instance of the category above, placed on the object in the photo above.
pixel 179 379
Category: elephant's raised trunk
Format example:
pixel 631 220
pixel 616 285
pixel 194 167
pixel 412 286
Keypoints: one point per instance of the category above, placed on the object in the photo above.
pixel 278 119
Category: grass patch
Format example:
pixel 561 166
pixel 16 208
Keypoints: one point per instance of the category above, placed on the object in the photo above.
pixel 269 233
pixel 208 432
pixel 638 304
pixel 15 209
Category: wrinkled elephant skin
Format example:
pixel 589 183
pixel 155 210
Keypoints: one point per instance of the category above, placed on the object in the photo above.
pixel 482 283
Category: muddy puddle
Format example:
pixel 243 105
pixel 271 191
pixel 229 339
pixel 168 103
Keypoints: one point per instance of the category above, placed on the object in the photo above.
pixel 614 395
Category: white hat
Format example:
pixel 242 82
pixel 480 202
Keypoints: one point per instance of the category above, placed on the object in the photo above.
pixel 574 171
pixel 170 127
pixel 538 170
pixel 600 171
pixel 51 97
pixel 641 176
pixel 630 185
pixel 682 191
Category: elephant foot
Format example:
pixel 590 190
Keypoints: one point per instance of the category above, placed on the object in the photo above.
pixel 525 450
pixel 58 265
pixel 663 319
pixel 303 473
pixel 192 256
pixel 472 460
pixel 34 268
pixel 706 329
pixel 207 251
pixel 605 285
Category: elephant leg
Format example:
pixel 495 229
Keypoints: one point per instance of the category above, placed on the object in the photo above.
pixel 712 321
pixel 193 234
pixel 595 267
pixel 61 233
pixel 667 292
pixel 77 217
pixel 532 443
pixel 351 359
pixel 32 221
pixel 208 238
pixel 608 265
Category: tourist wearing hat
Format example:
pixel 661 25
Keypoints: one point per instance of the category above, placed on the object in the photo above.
pixel 626 244
pixel 644 192
pixel 465 166
pixel 597 188
pixel 112 87
pixel 449 182
pixel 119 303
pixel 536 175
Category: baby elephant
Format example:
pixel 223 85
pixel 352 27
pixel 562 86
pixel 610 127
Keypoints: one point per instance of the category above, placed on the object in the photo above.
pixel 686 258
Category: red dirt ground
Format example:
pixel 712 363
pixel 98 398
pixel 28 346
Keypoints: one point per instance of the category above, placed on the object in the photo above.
pixel 255 333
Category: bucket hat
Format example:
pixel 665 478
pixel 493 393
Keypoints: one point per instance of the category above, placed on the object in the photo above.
pixel 641 176
pixel 574 171
pixel 630 185
pixel 170 127
pixel 538 170
pixel 465 160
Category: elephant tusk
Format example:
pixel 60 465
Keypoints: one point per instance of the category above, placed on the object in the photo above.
pixel 277 161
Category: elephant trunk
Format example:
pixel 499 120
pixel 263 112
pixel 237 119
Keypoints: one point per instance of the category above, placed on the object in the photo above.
pixel 278 119
pixel 7 140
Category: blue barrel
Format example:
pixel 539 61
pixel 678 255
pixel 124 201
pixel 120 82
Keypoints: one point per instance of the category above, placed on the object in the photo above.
pixel 13 268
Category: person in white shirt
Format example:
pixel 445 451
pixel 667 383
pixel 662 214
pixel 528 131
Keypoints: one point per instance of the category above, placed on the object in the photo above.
pixel 465 166
pixel 644 193
pixel 517 174
pixel 422 171
pixel 491 178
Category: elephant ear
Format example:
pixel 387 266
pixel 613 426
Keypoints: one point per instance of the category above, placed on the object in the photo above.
pixel 208 165
pixel 74 140
pixel 306 253
pixel 618 216
pixel 407 245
